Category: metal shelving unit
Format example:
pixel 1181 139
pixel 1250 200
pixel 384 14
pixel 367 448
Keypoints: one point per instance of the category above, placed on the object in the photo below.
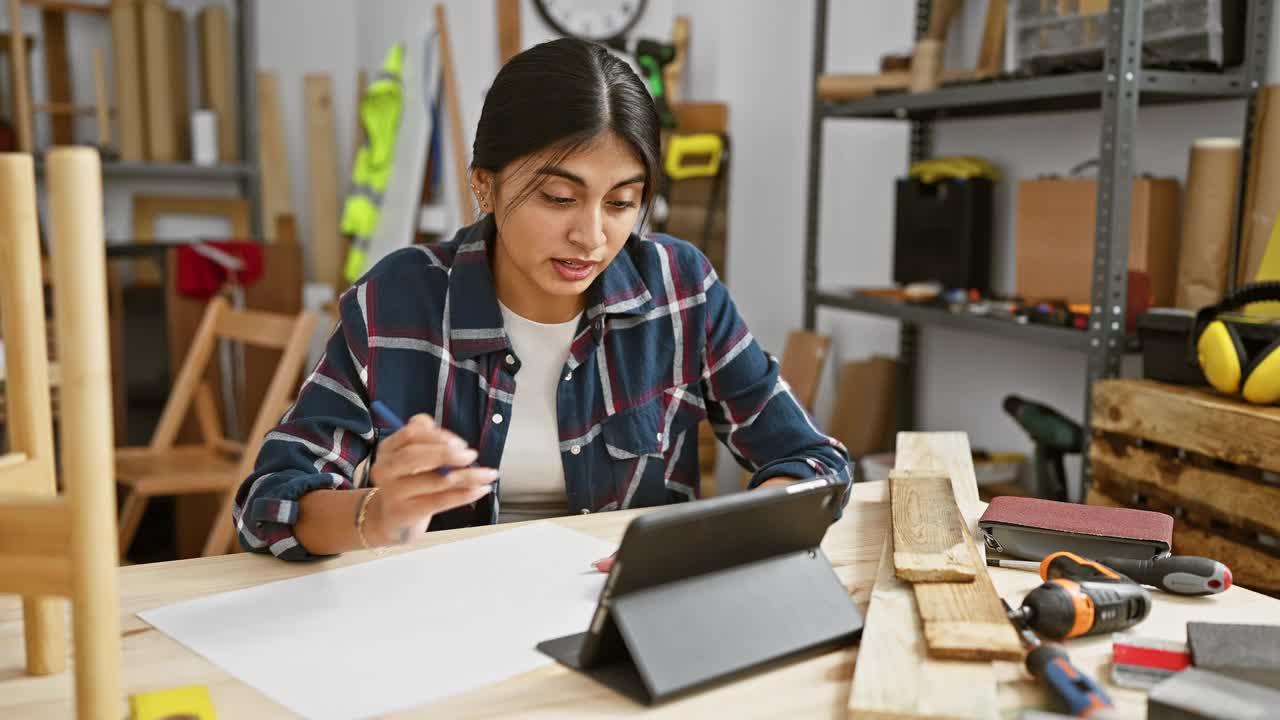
pixel 1118 90
pixel 245 172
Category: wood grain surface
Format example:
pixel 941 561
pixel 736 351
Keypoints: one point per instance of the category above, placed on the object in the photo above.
pixel 928 531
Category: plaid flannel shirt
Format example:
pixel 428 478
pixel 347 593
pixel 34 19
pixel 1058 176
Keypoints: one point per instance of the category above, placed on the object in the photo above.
pixel 659 348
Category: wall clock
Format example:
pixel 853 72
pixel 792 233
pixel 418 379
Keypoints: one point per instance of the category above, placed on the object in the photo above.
pixel 595 20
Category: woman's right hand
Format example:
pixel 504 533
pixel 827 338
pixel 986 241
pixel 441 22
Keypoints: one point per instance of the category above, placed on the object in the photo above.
pixel 411 488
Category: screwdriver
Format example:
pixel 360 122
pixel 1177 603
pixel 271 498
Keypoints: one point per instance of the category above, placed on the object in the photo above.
pixel 1176 574
pixel 1049 663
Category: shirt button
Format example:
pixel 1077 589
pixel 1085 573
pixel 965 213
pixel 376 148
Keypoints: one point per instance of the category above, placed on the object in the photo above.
pixel 511 360
pixel 497 419
pixel 568 376
pixel 659 437
pixel 575 450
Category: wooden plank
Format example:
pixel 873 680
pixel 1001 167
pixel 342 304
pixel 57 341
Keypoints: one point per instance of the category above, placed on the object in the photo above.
pixel 1241 501
pixel 893 636
pixel 453 103
pixel 961 620
pixel 322 179
pixel 509 39
pixel 928 531
pixel 162 142
pixel 129 84
pixel 39 526
pixel 1250 567
pixel 18 79
pixel 101 102
pixel 1190 418
pixel 57 74
pixel 673 74
pixel 178 76
pixel 991 52
pixel 273 157
pixel 218 88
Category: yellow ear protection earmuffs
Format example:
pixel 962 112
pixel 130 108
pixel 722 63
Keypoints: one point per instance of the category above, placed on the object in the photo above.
pixel 1233 362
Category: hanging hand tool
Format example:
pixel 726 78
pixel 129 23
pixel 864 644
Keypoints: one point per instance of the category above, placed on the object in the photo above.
pixel 1176 574
pixel 1049 663
pixel 1064 608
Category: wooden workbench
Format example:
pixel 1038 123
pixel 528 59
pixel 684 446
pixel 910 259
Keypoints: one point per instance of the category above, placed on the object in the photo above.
pixel 815 685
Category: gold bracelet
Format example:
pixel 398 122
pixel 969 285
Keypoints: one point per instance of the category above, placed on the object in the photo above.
pixel 360 518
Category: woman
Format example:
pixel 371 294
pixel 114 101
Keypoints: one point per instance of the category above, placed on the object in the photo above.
pixel 545 344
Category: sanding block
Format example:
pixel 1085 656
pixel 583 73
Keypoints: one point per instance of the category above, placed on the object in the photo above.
pixel 1196 694
pixel 1246 652
pixel 1032 529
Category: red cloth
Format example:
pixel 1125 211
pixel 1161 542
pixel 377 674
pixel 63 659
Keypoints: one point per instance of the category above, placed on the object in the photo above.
pixel 200 277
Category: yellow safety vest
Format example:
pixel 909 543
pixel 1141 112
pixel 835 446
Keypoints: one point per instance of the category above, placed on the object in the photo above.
pixel 380 116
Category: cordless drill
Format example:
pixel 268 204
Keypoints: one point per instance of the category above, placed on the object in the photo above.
pixel 1054 435
pixel 652 56
pixel 1082 597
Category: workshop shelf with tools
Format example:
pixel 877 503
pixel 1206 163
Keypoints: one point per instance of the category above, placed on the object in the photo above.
pixel 1117 90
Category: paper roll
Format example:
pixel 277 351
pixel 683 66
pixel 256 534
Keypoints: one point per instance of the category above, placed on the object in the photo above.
pixel 1208 216
pixel 1262 199
pixel 204 137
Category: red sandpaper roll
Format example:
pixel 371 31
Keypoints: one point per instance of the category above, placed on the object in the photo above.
pixel 1143 525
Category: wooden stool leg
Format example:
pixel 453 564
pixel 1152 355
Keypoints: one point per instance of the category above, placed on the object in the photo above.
pixel 222 534
pixel 130 516
pixel 45 628
pixel 80 295
pixel 28 426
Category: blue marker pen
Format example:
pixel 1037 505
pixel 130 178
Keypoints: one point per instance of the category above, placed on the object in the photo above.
pixel 390 418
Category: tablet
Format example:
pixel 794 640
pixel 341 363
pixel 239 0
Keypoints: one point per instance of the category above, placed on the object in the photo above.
pixel 704 589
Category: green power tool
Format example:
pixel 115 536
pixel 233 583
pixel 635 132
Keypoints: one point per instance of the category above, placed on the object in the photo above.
pixel 1054 435
pixel 652 56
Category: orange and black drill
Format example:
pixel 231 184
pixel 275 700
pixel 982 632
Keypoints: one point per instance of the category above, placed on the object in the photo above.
pixel 1081 597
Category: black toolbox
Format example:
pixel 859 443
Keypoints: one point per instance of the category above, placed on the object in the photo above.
pixel 942 233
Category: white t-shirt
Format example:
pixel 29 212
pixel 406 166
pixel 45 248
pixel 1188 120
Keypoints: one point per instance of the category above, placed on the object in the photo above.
pixel 531 472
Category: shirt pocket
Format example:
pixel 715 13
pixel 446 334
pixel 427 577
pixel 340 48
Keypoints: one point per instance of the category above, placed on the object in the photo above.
pixel 634 432
pixel 644 430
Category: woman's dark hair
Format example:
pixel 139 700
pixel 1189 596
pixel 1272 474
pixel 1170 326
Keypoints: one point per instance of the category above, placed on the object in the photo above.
pixel 562 94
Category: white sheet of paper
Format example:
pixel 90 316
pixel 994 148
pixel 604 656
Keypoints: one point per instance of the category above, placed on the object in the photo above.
pixel 401 631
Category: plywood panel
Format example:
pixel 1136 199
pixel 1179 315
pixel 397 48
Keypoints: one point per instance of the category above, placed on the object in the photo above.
pixel 273 157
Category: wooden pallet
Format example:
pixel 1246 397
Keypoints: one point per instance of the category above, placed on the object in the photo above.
pixel 1210 461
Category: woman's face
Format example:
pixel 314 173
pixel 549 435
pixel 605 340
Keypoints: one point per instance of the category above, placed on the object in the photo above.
pixel 553 244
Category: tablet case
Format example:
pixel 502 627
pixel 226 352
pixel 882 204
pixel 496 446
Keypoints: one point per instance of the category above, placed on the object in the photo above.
pixel 677 635
pixel 1031 529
